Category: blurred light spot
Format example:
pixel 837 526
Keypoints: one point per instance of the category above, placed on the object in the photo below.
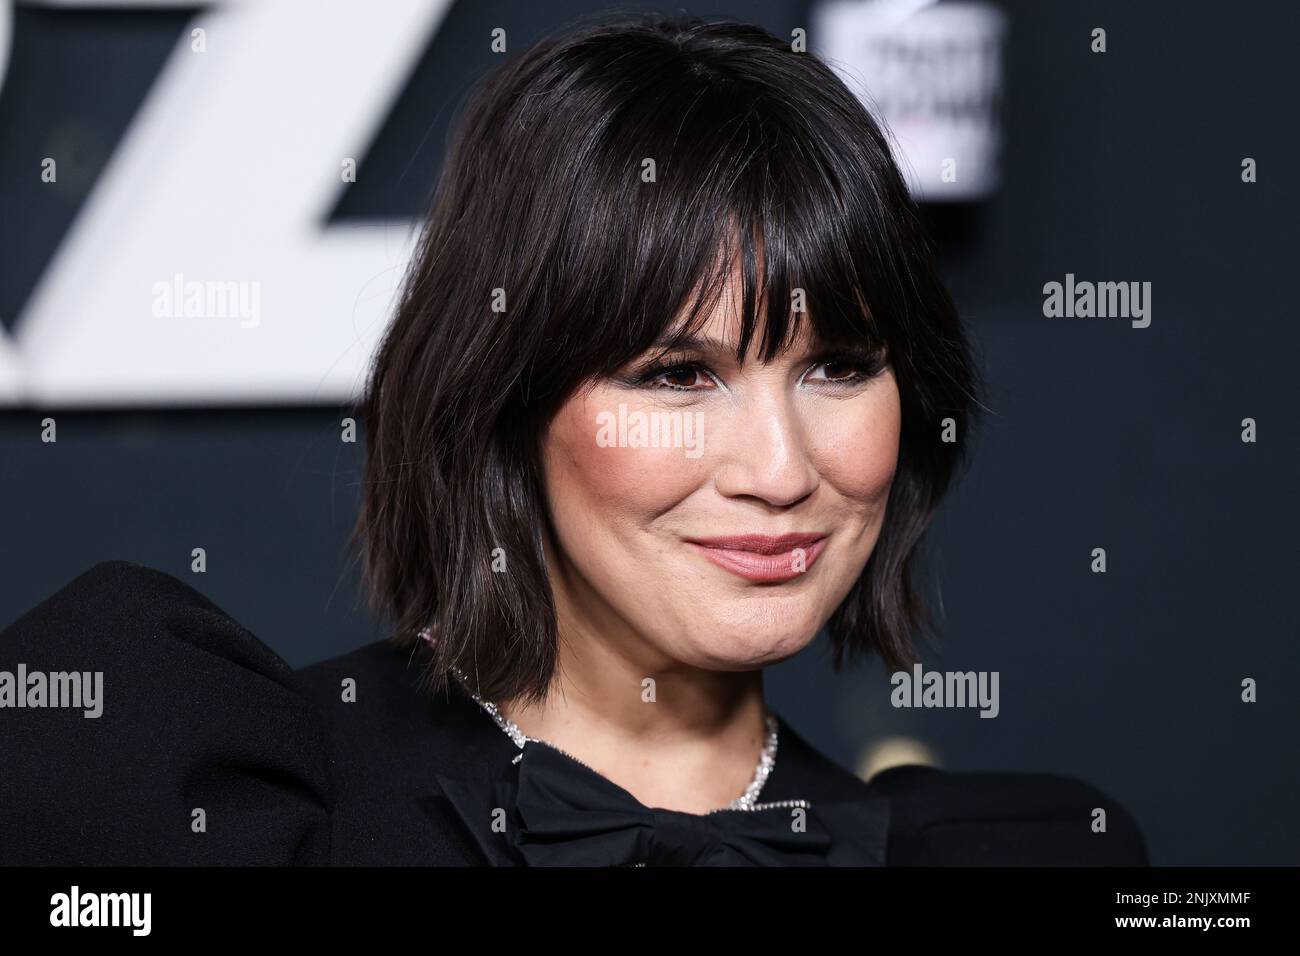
pixel 894 752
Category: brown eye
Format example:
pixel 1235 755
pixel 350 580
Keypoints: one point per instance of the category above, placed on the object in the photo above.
pixel 681 378
pixel 845 370
pixel 840 371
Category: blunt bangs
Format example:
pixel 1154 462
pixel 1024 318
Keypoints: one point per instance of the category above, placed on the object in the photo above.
pixel 765 182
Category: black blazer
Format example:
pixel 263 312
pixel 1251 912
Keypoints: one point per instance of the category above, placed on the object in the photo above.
pixel 198 713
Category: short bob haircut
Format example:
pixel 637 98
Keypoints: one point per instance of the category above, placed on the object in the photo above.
pixel 759 152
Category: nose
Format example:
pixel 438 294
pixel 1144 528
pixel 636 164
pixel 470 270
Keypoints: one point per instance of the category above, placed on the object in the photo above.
pixel 764 453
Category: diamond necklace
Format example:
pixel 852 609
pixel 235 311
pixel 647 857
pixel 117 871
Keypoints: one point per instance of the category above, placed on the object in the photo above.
pixel 746 801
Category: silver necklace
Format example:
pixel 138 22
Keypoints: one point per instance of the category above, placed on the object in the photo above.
pixel 746 801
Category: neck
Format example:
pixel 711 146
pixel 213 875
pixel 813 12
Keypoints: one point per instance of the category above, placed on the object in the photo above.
pixel 675 736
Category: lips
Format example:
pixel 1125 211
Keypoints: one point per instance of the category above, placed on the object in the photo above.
pixel 764 558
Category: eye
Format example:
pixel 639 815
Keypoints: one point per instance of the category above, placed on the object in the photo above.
pixel 846 369
pixel 677 377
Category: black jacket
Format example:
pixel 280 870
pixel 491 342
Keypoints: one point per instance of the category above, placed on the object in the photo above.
pixel 198 715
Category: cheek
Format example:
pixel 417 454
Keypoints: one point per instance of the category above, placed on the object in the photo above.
pixel 856 444
pixel 593 483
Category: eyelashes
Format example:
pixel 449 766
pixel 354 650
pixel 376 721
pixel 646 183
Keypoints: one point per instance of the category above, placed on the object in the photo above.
pixel 843 369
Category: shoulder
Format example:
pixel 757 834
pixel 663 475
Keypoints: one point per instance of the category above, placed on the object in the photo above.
pixel 374 703
pixel 941 818
pixel 375 675
pixel 378 719
pixel 389 739
pixel 144 725
pixel 120 611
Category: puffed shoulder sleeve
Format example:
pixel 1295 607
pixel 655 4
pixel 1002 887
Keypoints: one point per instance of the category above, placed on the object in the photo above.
pixel 140 724
pixel 946 818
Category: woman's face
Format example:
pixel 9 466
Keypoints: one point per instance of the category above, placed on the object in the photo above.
pixel 795 458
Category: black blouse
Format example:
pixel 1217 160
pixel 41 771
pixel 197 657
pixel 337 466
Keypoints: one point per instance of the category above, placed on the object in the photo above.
pixel 210 749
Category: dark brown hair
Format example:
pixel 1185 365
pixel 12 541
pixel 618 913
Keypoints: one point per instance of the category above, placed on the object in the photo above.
pixel 762 156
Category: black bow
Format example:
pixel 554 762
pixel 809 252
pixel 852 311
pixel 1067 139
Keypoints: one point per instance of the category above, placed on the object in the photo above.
pixel 555 811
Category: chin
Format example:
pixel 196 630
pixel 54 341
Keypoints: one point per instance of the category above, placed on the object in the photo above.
pixel 746 641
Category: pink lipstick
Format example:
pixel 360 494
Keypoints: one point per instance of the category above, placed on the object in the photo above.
pixel 764 558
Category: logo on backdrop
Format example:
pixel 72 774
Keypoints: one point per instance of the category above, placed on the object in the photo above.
pixel 200 267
